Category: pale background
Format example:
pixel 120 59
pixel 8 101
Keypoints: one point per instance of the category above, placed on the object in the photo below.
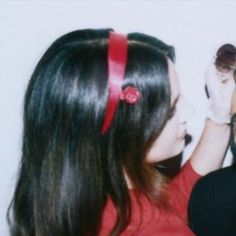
pixel 195 28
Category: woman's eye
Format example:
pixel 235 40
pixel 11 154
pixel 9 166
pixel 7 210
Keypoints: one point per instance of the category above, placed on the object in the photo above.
pixel 172 112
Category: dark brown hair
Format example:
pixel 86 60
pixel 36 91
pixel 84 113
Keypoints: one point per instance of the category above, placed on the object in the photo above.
pixel 68 169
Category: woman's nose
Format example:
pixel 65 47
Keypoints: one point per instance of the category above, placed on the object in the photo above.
pixel 186 110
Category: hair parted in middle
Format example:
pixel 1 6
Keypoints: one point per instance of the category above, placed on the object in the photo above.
pixel 68 168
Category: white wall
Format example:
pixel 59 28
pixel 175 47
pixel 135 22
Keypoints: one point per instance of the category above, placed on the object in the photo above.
pixel 195 28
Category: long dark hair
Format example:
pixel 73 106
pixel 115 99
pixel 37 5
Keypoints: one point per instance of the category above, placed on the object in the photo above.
pixel 68 169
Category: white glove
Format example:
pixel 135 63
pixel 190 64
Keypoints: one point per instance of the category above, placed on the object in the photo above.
pixel 220 87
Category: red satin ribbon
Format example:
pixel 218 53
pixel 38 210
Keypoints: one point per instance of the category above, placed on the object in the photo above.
pixel 117 57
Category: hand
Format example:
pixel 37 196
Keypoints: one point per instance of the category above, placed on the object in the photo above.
pixel 233 104
pixel 220 86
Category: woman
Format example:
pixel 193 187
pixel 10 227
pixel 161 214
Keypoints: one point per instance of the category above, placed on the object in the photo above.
pixel 101 110
pixel 212 208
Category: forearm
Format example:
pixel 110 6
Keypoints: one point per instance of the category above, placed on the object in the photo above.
pixel 210 151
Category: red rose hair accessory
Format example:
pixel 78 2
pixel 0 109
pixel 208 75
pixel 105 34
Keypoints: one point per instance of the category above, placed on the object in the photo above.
pixel 130 94
pixel 117 57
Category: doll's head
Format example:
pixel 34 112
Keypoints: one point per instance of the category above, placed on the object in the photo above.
pixel 226 58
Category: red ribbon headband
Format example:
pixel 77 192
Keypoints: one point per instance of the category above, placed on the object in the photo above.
pixel 117 57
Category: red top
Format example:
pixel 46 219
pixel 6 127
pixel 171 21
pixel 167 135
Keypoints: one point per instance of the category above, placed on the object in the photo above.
pixel 148 220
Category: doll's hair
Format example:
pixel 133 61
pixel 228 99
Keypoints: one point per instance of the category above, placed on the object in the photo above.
pixel 68 169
